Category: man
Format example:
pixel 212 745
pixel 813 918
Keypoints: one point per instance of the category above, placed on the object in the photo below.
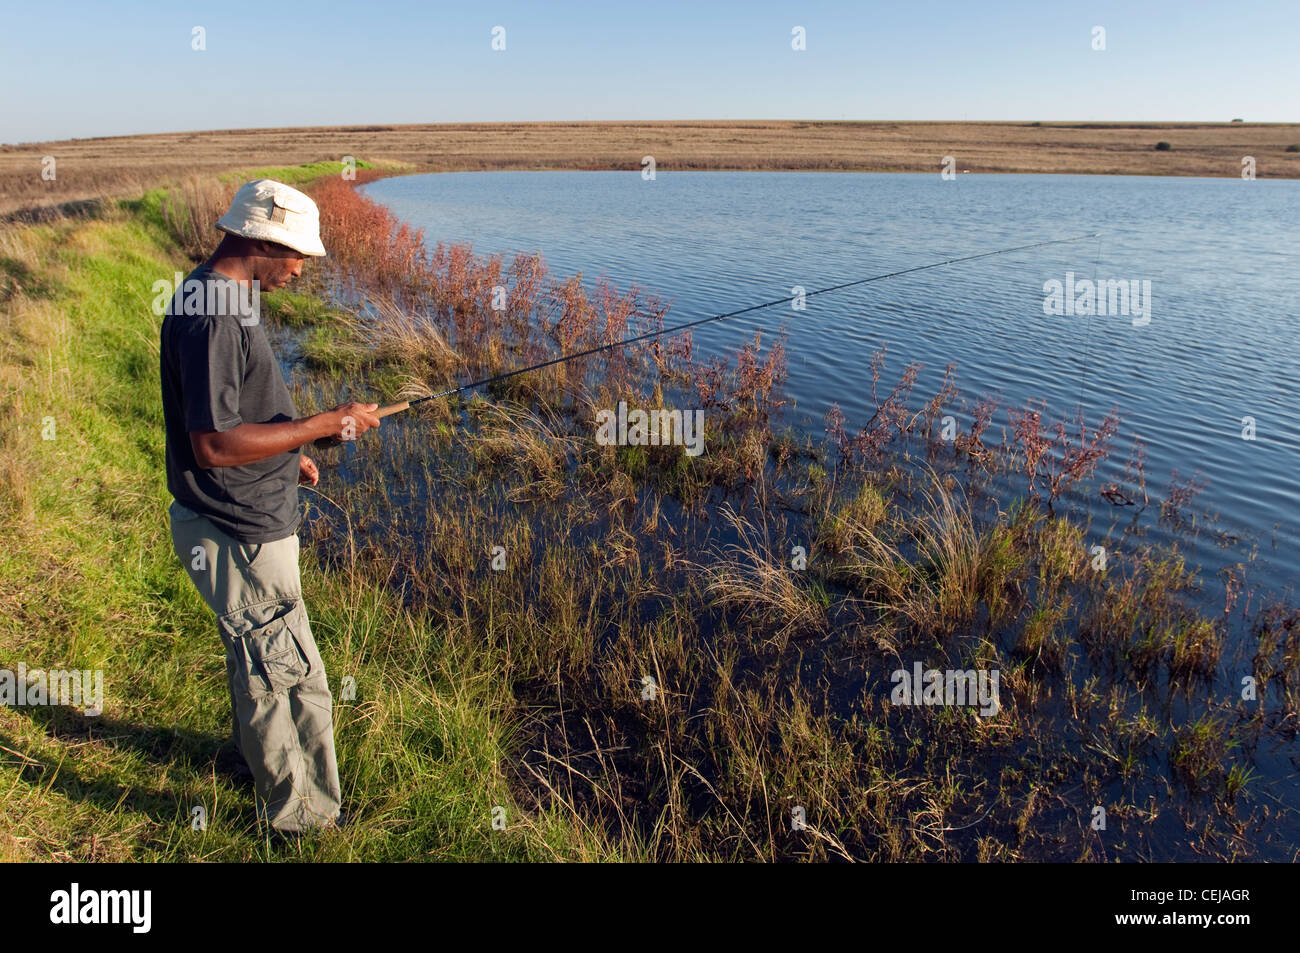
pixel 233 467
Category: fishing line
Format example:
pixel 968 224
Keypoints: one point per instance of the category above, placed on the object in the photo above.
pixel 678 328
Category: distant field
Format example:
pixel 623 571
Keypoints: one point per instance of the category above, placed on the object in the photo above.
pixel 119 166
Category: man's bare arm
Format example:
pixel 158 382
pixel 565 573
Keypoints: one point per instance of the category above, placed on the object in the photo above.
pixel 249 442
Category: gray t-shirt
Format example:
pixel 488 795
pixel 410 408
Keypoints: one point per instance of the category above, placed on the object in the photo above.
pixel 218 371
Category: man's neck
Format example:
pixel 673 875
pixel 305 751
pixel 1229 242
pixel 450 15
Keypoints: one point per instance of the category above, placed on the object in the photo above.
pixel 234 268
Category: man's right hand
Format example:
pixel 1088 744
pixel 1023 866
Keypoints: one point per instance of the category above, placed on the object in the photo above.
pixel 349 421
pixel 249 443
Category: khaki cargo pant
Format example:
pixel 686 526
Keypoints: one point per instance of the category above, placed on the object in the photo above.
pixel 279 696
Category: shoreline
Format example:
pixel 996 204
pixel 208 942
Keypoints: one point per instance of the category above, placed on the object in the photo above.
pixel 122 166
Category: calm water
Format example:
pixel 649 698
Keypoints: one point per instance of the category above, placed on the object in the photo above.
pixel 1221 255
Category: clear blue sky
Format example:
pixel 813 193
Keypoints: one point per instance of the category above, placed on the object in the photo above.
pixel 92 69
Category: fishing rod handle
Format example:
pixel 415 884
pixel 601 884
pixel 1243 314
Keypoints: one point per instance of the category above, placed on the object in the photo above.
pixel 381 412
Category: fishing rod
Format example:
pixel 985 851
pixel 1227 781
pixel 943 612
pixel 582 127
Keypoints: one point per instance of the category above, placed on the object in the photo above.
pixel 678 328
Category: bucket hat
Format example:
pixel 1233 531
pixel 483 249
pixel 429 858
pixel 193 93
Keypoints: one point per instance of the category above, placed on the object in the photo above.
pixel 271 211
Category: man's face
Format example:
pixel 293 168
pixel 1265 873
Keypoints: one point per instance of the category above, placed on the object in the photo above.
pixel 278 266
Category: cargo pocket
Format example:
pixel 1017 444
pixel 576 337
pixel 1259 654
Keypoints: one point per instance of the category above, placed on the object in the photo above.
pixel 248 553
pixel 273 659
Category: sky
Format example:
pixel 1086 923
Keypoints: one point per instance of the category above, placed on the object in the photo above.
pixel 80 70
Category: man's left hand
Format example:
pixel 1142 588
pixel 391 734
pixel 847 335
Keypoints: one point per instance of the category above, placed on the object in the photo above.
pixel 307 471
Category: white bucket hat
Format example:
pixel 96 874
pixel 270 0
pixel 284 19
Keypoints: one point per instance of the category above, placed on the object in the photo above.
pixel 271 211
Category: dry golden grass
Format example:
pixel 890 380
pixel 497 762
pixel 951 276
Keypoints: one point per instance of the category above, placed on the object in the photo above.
pixel 753 576
pixel 409 335
pixel 126 165
pixel 928 568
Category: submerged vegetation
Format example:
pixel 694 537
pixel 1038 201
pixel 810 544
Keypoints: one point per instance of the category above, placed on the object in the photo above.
pixel 563 648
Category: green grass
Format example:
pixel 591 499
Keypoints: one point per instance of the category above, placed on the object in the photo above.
pixel 293 174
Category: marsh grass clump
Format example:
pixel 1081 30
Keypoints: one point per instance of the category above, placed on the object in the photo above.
pixel 753 575
pixel 407 337
pixel 297 310
pixel 858 516
pixel 1044 635
pixel 1199 755
pixel 1276 661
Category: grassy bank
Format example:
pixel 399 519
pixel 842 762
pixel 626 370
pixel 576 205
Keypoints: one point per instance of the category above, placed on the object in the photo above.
pixel 619 646
pixel 91 583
